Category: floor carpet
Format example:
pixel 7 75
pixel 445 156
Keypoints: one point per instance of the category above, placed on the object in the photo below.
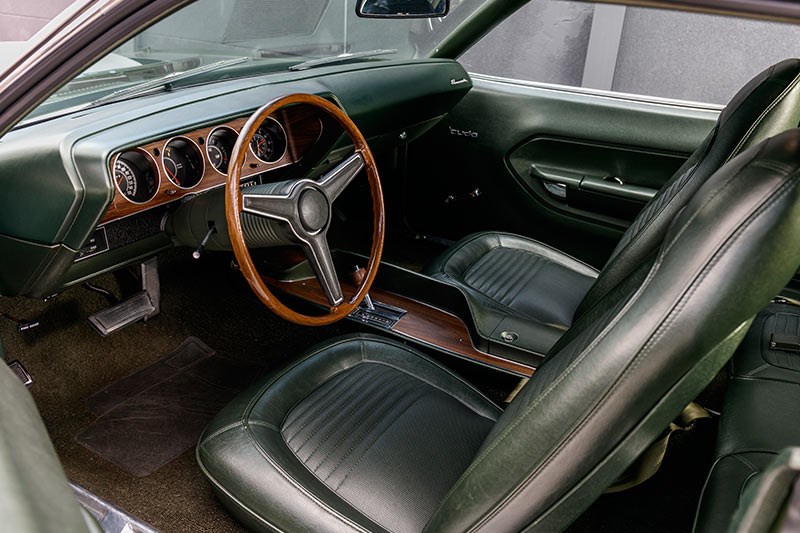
pixel 70 363
pixel 149 418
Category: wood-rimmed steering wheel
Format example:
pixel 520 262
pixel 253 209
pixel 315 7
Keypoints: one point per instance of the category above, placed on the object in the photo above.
pixel 299 211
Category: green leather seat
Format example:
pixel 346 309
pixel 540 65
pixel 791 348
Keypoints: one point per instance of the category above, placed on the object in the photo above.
pixel 509 275
pixel 365 434
pixel 760 416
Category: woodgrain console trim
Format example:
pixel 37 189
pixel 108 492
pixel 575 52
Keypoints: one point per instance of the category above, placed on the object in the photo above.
pixel 421 323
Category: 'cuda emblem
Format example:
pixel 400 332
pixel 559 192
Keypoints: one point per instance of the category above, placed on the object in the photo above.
pixel 463 133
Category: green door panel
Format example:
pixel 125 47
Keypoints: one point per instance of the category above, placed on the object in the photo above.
pixel 491 139
pixel 600 181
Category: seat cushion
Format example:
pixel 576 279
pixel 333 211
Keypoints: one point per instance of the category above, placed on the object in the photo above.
pixel 730 476
pixel 364 430
pixel 517 276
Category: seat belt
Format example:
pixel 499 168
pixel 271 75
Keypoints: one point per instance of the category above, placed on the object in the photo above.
pixel 513 393
pixel 650 460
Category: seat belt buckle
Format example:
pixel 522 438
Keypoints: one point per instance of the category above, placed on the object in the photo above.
pixel 785 343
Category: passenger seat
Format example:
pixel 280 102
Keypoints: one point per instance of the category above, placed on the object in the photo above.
pixel 510 277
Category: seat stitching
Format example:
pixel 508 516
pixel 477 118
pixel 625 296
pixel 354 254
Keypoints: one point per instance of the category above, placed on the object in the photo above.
pixel 402 390
pixel 306 415
pixel 499 411
pixel 789 88
pixel 327 509
pixel 745 482
pixel 469 240
pixel 353 407
pixel 651 220
pixel 263 423
pixel 343 399
pixel 747 463
pixel 706 201
pixel 375 440
pixel 491 266
pixel 497 302
pixel 300 487
pixel 523 274
pixel 238 502
pixel 388 392
pixel 222 430
pixel 560 255
pixel 757 370
pixel 435 365
pixel 705 154
pixel 525 279
pixel 708 479
pixel 746 450
pixel 246 411
pixel 765 380
pixel 406 395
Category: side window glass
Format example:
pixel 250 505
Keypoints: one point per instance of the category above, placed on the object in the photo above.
pixel 643 51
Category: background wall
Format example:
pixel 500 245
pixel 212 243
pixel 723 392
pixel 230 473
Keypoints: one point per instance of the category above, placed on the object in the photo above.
pixel 20 19
pixel 653 52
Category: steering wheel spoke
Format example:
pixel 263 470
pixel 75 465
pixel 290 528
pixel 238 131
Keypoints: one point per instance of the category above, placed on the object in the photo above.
pixel 337 180
pixel 318 254
pixel 274 206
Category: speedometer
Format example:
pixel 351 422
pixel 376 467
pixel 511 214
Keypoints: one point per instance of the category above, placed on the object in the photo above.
pixel 136 176
pixel 269 142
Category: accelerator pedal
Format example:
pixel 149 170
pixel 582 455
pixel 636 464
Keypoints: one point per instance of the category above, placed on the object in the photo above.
pixel 141 306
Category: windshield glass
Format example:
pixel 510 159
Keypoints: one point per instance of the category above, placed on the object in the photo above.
pixel 211 40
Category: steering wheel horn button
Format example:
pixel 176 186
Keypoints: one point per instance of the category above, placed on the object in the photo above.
pixel 313 209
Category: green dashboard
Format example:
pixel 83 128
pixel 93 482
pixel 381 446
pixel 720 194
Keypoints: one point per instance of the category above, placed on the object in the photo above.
pixel 59 223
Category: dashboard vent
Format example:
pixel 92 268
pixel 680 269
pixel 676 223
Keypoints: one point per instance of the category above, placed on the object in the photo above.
pixel 260 19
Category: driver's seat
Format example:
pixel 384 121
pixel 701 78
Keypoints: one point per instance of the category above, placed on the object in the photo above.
pixel 366 434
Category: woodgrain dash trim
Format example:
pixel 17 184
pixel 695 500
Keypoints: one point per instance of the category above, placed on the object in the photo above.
pixel 303 128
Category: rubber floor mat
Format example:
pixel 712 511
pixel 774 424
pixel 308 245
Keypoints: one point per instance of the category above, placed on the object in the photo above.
pixel 149 418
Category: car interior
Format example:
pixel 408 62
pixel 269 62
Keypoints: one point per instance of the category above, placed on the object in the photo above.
pixel 261 275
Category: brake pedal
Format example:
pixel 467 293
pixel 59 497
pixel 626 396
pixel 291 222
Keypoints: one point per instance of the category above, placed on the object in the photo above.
pixel 141 306
pixel 21 373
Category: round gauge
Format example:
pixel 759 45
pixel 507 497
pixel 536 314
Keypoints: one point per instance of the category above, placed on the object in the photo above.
pixel 269 142
pixel 136 176
pixel 183 162
pixel 219 148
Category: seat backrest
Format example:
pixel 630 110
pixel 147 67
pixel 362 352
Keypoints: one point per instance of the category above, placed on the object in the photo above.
pixel 767 105
pixel 615 380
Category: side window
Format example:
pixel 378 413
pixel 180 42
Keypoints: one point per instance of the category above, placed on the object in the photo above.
pixel 643 51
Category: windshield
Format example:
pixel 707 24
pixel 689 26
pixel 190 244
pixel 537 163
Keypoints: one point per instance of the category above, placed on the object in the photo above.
pixel 211 40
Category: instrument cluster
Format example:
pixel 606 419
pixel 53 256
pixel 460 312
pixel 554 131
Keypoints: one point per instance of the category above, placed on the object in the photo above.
pixel 162 171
